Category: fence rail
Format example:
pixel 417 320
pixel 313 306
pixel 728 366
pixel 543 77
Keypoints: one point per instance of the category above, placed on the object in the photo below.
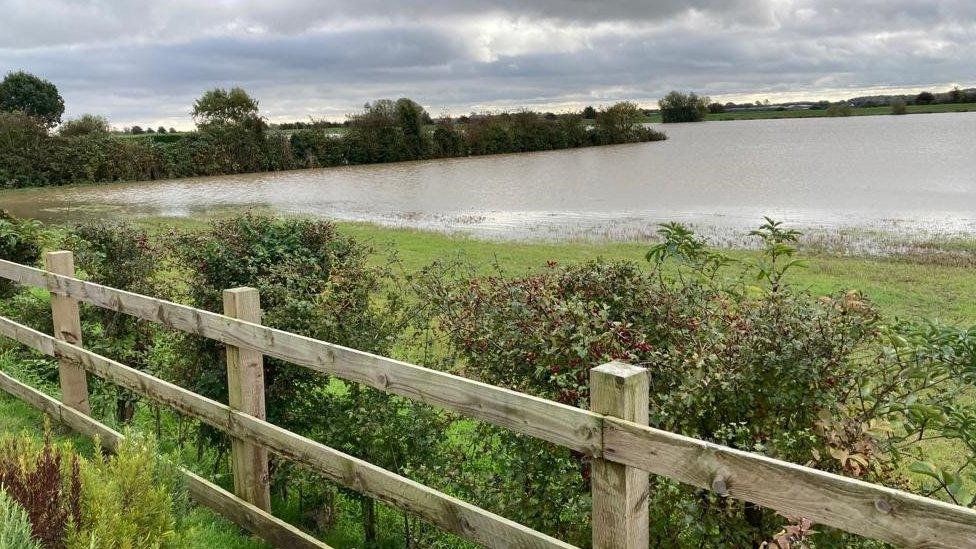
pixel 624 450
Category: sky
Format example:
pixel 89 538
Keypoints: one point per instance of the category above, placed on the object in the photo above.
pixel 145 62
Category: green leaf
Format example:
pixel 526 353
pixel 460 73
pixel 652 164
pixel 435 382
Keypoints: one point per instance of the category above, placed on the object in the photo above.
pixel 925 468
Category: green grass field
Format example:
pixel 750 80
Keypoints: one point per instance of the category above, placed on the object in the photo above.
pixel 808 113
pixel 901 287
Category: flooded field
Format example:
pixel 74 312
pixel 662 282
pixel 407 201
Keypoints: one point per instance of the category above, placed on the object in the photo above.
pixel 861 182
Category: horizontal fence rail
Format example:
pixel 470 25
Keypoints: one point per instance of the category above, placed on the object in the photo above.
pixel 447 512
pixel 855 506
pixel 563 425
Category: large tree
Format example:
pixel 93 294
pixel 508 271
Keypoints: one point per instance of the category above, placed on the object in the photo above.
pixel 220 106
pixel 33 96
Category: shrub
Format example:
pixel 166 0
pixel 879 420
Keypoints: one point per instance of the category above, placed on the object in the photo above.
pixel 925 98
pixel 313 281
pixel 126 499
pixel 753 367
pixel 45 480
pixel 839 109
pixel 20 242
pixel 898 106
pixel 15 526
pixel 683 107
pixel 123 257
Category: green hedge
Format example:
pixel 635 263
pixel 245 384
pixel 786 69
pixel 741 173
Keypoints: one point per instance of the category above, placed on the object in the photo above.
pixel 30 157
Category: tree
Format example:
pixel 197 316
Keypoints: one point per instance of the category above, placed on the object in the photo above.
pixel 150 130
pixel 618 123
pixel 220 106
pixel 86 124
pixel 161 129
pixel 716 108
pixel 137 130
pixel 924 98
pixel 172 130
pixel 26 93
pixel 410 117
pixel 589 113
pixel 956 95
pixel 681 107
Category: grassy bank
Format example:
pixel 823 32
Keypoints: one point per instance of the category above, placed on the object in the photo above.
pixel 899 286
pixel 822 113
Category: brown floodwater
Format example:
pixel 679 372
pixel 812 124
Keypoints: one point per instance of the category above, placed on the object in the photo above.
pixel 911 175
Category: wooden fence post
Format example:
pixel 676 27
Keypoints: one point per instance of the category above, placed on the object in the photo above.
pixel 620 492
pixel 245 392
pixel 67 327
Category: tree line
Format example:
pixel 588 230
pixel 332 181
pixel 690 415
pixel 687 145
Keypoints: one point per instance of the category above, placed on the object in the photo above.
pixel 38 149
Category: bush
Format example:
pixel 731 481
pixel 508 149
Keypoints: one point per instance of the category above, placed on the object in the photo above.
pixel 839 109
pixel 898 106
pixel 746 366
pixel 682 107
pixel 126 499
pixel 123 257
pixel 20 242
pixel 46 481
pixel 15 526
pixel 313 281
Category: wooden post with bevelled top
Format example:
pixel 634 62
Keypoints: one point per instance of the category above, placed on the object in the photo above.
pixel 245 392
pixel 620 492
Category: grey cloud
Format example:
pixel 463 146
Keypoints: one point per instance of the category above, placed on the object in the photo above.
pixel 141 63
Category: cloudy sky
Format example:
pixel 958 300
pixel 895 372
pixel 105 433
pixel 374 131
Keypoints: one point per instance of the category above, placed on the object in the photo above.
pixel 145 62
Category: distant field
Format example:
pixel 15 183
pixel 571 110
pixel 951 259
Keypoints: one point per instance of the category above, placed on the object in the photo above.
pixel 809 113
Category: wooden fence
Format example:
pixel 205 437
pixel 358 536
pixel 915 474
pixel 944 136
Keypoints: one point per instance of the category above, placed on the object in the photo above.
pixel 614 433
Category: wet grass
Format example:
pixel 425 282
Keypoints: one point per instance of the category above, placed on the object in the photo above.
pixel 901 286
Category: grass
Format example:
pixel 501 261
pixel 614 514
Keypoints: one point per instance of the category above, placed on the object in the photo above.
pixel 898 286
pixel 810 113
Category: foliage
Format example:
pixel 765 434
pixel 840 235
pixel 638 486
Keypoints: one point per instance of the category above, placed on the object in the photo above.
pixel 86 124
pixel 20 242
pixel 925 98
pixel 221 106
pixel 15 526
pixel 127 498
pixel 621 123
pixel 683 107
pixel 315 282
pixel 27 94
pixel 748 366
pixel 840 109
pixel 125 501
pixel 898 106
pixel 44 480
pixel 716 108
pixel 123 257
pixel 233 138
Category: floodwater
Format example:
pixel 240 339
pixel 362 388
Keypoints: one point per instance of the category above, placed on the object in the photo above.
pixel 911 175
